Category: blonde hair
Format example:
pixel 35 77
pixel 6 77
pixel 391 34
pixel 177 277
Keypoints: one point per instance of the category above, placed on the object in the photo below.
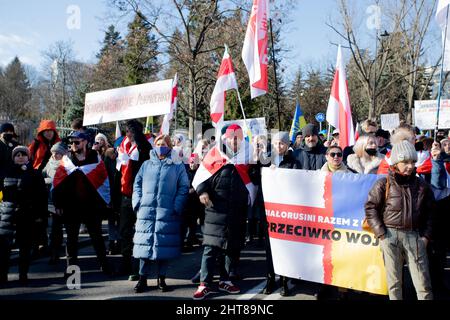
pixel 368 123
pixel 164 137
pixel 403 132
pixel 361 144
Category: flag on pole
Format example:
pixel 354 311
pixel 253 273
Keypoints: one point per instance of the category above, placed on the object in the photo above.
pixel 298 122
pixel 442 20
pixel 165 127
pixel 226 80
pixel 339 113
pixel 255 50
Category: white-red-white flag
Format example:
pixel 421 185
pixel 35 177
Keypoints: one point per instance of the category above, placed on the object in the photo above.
pixel 165 127
pixel 442 19
pixel 255 50
pixel 95 173
pixel 339 112
pixel 226 80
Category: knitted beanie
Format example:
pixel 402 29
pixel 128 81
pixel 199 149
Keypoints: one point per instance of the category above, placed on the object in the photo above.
pixel 22 149
pixel 282 136
pixel 59 148
pixel 402 152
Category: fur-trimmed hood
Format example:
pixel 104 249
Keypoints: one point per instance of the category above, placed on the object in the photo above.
pixel 364 165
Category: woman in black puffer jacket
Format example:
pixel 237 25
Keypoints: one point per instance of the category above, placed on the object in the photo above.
pixel 24 205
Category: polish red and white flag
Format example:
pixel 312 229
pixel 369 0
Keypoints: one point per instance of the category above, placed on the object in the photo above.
pixel 339 112
pixel 255 50
pixel 226 80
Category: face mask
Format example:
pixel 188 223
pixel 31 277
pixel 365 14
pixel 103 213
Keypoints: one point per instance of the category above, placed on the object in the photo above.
pixel 371 152
pixel 8 136
pixel 162 151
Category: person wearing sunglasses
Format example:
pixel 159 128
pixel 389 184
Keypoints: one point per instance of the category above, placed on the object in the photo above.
pixel 334 156
pixel 76 199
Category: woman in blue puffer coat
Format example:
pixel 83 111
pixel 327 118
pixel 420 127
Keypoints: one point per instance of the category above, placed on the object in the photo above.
pixel 159 194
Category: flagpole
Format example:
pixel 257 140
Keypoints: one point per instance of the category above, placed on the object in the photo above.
pixel 275 72
pixel 242 107
pixel 442 74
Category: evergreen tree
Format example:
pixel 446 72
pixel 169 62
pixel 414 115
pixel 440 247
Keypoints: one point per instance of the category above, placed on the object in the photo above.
pixel 112 39
pixel 16 92
pixel 141 52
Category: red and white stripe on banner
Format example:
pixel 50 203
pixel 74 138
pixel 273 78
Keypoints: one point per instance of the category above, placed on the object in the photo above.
pixel 226 80
pixel 95 173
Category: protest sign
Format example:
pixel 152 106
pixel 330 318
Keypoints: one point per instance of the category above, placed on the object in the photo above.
pixel 149 99
pixel 390 121
pixel 315 231
pixel 425 114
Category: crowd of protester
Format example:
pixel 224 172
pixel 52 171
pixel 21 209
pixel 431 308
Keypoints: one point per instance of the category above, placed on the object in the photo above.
pixel 155 210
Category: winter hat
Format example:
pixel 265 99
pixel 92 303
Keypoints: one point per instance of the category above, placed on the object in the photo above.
pixel 282 136
pixel 59 148
pixel 22 149
pixel 403 151
pixel 234 130
pixel 310 130
pixel 5 127
pixel 101 136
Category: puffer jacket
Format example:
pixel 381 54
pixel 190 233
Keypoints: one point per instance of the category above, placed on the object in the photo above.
pixel 24 198
pixel 408 205
pixel 225 220
pixel 160 192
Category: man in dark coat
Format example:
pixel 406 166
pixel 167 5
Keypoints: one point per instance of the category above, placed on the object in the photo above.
pixel 226 198
pixel 77 200
pixel 312 154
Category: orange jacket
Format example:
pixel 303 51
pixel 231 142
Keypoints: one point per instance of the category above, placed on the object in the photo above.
pixel 40 147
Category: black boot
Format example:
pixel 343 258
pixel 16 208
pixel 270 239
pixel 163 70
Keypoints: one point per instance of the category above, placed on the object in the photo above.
pixel 141 286
pixel 284 287
pixel 270 284
pixel 162 284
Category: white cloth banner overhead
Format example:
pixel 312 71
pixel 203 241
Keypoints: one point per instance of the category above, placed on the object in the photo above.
pixel 425 113
pixel 144 100
pixel 441 18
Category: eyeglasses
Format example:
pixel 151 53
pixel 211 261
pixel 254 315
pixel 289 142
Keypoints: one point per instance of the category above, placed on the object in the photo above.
pixel 75 142
pixel 336 154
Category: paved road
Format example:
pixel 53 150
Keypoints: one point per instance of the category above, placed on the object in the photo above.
pixel 47 283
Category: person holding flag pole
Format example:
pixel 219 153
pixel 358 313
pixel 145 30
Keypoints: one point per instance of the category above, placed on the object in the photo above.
pixel 442 15
pixel 225 188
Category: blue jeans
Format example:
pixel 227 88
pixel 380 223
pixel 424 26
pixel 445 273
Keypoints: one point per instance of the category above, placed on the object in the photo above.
pixel 226 261
pixel 161 267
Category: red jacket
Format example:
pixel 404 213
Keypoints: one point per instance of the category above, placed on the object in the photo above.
pixel 40 147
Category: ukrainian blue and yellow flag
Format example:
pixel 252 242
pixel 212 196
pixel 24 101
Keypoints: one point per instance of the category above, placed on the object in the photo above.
pixel 297 123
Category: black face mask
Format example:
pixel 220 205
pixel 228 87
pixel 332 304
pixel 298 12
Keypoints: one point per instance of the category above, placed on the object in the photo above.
pixel 8 136
pixel 371 152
